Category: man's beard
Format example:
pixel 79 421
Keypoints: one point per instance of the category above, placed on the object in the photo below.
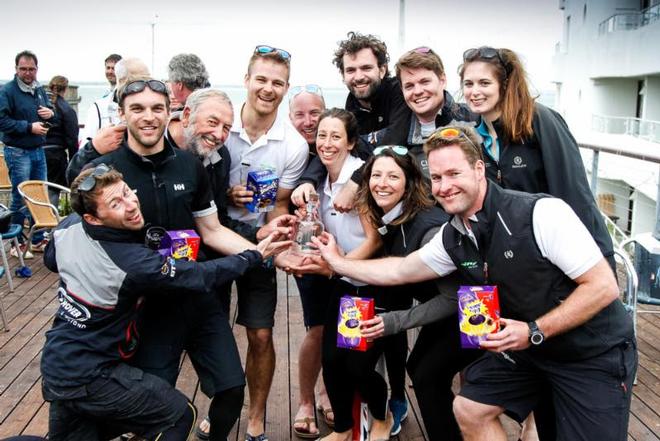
pixel 365 95
pixel 195 143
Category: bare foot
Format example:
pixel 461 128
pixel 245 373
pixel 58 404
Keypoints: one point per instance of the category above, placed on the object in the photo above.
pixel 337 436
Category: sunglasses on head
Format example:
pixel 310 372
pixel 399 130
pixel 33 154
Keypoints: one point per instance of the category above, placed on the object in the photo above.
pixel 397 149
pixel 484 53
pixel 263 49
pixel 89 182
pixel 139 85
pixel 452 133
pixel 424 50
pixel 311 88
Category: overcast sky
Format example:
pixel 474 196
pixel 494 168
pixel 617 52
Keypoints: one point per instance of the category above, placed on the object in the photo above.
pixel 73 38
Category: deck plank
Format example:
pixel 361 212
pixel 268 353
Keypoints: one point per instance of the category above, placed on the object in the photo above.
pixel 31 306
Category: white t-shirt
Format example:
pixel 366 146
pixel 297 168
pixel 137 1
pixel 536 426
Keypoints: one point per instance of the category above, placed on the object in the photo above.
pixel 346 227
pixel 101 113
pixel 560 235
pixel 282 148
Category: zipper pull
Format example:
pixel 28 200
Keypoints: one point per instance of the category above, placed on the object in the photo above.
pixel 486 271
pixel 499 176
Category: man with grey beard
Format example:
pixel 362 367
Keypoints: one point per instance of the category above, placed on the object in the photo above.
pixel 202 128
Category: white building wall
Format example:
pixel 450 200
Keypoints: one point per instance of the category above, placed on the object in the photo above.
pixel 652 98
pixel 584 55
pixel 614 97
pixel 643 214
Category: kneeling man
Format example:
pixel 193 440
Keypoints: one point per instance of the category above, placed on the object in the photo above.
pixel 105 268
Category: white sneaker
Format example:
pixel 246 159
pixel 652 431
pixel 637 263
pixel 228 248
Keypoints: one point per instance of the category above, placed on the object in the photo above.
pixel 22 246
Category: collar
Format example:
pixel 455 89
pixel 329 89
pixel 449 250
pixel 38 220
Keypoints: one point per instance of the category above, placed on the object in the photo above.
pixel 416 127
pixel 351 163
pixel 275 133
pixel 101 232
pixel 394 213
pixel 27 88
pixel 213 158
pixel 171 152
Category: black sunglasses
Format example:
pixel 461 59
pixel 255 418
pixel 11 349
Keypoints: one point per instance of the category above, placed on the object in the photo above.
pixel 139 85
pixel 89 182
pixel 484 53
pixel 263 49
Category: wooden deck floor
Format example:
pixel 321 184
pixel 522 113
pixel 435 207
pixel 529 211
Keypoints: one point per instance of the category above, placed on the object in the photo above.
pixel 31 306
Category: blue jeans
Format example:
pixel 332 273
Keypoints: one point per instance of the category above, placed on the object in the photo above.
pixel 24 165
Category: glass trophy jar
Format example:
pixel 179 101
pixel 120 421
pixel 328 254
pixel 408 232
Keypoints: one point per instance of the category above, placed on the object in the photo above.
pixel 308 227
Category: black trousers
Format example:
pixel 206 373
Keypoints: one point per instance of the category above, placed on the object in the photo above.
pixel 434 361
pixel 346 371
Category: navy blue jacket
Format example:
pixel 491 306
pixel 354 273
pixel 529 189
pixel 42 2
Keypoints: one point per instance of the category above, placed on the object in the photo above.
pixel 18 110
pixel 104 273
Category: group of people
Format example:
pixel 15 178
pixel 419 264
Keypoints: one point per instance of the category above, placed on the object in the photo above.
pixel 419 194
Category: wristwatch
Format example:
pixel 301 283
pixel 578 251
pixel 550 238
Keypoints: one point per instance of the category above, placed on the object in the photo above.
pixel 536 336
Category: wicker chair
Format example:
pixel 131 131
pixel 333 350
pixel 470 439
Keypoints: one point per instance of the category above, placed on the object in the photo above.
pixel 45 216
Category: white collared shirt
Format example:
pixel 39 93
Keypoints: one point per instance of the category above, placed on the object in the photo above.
pixel 282 148
pixel 346 227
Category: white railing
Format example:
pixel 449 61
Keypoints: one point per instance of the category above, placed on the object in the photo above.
pixel 630 20
pixel 627 125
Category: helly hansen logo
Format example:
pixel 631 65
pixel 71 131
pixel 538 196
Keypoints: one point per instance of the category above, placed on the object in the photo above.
pixel 179 187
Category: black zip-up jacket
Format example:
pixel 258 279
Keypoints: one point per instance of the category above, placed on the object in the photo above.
pixel 104 273
pixel 170 191
pixel 450 111
pixel 387 120
pixel 438 295
pixel 549 162
pixel 529 285
pixel 218 174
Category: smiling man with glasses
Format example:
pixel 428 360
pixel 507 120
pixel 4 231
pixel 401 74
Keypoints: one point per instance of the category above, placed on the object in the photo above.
pixel 24 112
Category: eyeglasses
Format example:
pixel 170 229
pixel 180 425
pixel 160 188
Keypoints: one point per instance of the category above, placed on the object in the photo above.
pixel 311 88
pixel 263 49
pixel 397 149
pixel 485 53
pixel 139 85
pixel 451 133
pixel 89 182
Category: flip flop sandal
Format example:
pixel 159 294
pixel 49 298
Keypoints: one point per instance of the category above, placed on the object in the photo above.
pixel 325 411
pixel 202 434
pixel 306 432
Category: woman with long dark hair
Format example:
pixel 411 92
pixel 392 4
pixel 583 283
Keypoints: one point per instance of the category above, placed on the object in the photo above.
pixel 527 146
pixel 394 195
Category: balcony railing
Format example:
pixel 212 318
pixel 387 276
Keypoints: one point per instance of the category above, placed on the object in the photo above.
pixel 629 21
pixel 623 125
